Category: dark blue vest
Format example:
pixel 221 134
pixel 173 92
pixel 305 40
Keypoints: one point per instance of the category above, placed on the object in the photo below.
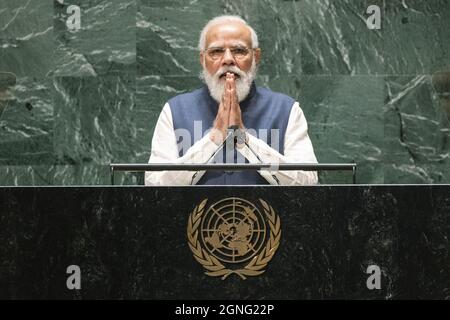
pixel 262 111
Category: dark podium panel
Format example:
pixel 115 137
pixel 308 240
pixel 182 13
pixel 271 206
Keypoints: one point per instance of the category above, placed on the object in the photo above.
pixel 131 242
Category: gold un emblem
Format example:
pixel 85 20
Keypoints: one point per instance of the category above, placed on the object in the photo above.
pixel 233 236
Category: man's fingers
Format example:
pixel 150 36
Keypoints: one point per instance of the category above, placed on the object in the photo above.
pixel 228 80
pixel 233 81
pixel 233 98
pixel 233 91
pixel 226 100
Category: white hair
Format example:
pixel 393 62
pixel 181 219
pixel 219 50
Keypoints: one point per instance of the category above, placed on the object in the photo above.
pixel 221 20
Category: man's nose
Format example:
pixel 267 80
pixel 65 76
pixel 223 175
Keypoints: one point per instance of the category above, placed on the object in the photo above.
pixel 228 58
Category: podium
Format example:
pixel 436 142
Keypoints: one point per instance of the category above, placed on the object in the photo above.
pixel 324 242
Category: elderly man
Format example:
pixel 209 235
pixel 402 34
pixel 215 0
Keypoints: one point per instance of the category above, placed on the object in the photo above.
pixel 192 127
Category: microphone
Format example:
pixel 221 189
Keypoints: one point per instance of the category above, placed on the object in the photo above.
pixel 233 128
pixel 230 140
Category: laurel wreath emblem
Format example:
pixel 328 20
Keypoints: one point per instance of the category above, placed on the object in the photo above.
pixel 213 265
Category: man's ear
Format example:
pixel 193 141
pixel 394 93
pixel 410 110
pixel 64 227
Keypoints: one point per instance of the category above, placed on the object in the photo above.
pixel 257 52
pixel 202 58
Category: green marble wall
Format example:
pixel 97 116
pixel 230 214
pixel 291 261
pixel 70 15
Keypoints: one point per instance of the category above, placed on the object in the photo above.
pixel 85 98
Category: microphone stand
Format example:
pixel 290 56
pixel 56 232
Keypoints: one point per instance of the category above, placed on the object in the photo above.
pixel 240 138
pixel 228 143
pixel 234 136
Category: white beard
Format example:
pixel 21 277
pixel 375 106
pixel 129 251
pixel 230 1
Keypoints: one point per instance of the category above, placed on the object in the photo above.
pixel 216 85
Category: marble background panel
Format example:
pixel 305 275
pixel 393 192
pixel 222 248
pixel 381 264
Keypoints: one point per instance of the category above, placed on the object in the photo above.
pixel 26 37
pixel 86 98
pixel 26 123
pixel 23 175
pixel 105 43
pixel 416 131
pixel 94 119
pixel 167 35
pixel 416 36
pixel 336 40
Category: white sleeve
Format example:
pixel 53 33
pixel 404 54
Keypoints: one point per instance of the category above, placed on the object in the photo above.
pixel 297 149
pixel 165 150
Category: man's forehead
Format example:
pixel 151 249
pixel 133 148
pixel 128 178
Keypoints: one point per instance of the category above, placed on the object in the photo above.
pixel 235 33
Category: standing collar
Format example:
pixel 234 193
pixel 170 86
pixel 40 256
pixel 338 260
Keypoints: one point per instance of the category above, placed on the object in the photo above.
pixel 251 93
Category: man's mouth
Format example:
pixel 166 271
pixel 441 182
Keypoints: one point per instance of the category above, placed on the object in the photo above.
pixel 223 75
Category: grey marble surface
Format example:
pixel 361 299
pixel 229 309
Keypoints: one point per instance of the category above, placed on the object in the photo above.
pixel 92 96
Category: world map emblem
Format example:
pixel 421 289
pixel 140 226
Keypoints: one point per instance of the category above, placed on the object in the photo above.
pixel 234 236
